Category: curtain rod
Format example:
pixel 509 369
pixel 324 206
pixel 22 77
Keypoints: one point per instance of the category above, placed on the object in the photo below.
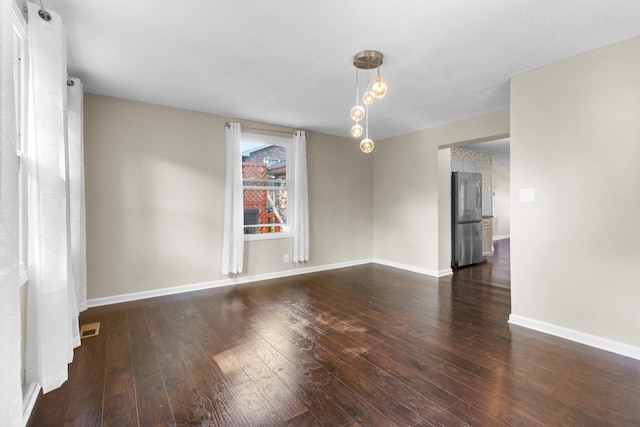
pixel 43 13
pixel 265 130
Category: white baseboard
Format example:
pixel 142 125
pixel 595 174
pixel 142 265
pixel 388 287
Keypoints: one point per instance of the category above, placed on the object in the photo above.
pixel 134 296
pixel 506 236
pixel 445 272
pixel 577 336
pixel 432 273
pixel 29 401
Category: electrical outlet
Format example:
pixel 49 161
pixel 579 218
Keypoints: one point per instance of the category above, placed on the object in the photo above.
pixel 286 258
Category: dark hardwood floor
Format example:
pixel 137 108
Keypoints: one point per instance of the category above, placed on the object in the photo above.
pixel 495 269
pixel 366 345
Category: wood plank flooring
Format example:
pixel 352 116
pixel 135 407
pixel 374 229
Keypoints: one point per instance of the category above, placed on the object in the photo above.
pixel 495 270
pixel 360 346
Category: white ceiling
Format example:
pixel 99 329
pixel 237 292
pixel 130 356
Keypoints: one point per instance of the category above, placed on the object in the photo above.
pixel 289 62
pixel 497 148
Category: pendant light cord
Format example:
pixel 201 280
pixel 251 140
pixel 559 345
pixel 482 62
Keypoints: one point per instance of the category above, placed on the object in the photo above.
pixel 366 122
pixel 357 93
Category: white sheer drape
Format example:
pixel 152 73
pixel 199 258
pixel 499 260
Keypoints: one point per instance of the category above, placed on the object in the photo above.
pixel 233 239
pixel 10 329
pixel 300 198
pixel 77 225
pixel 52 303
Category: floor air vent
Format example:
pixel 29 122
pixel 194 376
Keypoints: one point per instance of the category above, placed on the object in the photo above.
pixel 89 330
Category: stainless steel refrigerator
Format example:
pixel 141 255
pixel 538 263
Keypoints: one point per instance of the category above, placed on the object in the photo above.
pixel 466 221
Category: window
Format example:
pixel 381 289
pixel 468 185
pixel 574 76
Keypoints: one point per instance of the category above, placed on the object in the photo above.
pixel 271 160
pixel 265 184
pixel 20 70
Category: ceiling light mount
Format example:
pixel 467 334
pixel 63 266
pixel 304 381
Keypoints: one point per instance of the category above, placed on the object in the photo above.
pixel 366 60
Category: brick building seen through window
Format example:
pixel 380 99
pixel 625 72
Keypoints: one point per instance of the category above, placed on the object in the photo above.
pixel 264 174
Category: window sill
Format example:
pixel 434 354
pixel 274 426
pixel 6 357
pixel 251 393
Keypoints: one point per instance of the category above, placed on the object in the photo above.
pixel 268 236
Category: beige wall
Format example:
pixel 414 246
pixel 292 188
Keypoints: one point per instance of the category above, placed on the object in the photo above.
pixel 411 197
pixel 575 138
pixel 444 211
pixel 155 191
pixel 502 200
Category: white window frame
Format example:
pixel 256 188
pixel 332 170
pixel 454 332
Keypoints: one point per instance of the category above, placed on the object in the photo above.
pixel 283 142
pixel 21 74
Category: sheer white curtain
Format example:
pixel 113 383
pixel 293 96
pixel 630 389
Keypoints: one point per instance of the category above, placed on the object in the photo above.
pixel 77 225
pixel 52 303
pixel 10 330
pixel 233 239
pixel 300 198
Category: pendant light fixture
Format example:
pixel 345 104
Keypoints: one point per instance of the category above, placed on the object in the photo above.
pixel 366 145
pixel 366 60
pixel 357 113
pixel 379 89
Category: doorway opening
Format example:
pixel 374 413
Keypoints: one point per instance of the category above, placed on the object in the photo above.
pixel 492 160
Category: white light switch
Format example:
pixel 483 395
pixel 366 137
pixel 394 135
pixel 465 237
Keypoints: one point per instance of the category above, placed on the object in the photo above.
pixel 527 195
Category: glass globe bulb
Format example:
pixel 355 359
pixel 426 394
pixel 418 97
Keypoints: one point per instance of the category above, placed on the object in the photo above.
pixel 357 113
pixel 366 145
pixel 379 89
pixel 368 97
pixel 356 130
